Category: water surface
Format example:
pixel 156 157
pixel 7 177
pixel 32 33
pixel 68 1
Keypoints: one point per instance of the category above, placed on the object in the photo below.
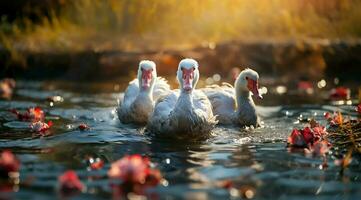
pixel 252 158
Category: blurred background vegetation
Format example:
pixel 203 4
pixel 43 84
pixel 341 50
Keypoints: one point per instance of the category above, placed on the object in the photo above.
pixel 107 38
pixel 65 25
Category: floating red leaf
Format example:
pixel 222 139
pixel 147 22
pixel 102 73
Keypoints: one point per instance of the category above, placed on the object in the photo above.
pixel 83 127
pixel 307 135
pixel 319 148
pixel 296 139
pixel 334 119
pixel 153 178
pixel 40 126
pixel 69 182
pixel 134 169
pixel 340 93
pixel 8 164
pixel 319 132
pixel 135 174
pixel 327 115
pixel 96 164
pixel 32 114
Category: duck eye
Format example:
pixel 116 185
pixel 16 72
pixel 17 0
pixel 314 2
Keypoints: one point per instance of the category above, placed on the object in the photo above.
pixel 193 68
pixel 246 77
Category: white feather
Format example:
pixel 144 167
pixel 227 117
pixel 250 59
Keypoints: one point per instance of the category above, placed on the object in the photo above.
pixel 130 93
pixel 232 107
pixel 223 102
pixel 172 118
pixel 137 103
pixel 182 113
pixel 161 88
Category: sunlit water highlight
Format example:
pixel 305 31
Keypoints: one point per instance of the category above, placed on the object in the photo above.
pixel 254 158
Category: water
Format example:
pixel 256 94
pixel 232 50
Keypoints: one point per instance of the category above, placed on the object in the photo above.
pixel 254 159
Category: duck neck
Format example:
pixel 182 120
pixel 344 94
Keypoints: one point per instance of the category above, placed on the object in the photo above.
pixel 243 98
pixel 185 101
pixel 183 113
pixel 144 102
pixel 148 94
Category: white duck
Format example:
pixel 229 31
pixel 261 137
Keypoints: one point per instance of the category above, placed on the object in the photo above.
pixel 235 105
pixel 184 111
pixel 139 97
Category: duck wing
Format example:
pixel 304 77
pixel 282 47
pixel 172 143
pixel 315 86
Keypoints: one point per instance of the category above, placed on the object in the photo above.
pixel 223 101
pixel 127 99
pixel 203 108
pixel 159 120
pixel 131 92
pixel 161 88
pixel 202 104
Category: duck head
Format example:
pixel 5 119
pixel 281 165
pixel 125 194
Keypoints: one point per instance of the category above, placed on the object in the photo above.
pixel 247 81
pixel 187 74
pixel 147 75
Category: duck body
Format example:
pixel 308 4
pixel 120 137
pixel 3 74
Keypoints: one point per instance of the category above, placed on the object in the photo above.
pixel 234 105
pixel 185 111
pixel 138 101
pixel 181 113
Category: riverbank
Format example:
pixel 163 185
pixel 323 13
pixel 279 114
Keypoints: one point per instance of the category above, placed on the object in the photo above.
pixel 288 60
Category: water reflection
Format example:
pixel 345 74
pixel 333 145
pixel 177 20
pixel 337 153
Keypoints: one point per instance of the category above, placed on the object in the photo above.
pixel 255 161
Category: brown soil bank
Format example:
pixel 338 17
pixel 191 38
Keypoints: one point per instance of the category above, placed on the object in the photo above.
pixel 288 60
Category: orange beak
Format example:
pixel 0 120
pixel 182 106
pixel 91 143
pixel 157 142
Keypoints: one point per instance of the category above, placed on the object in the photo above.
pixel 252 86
